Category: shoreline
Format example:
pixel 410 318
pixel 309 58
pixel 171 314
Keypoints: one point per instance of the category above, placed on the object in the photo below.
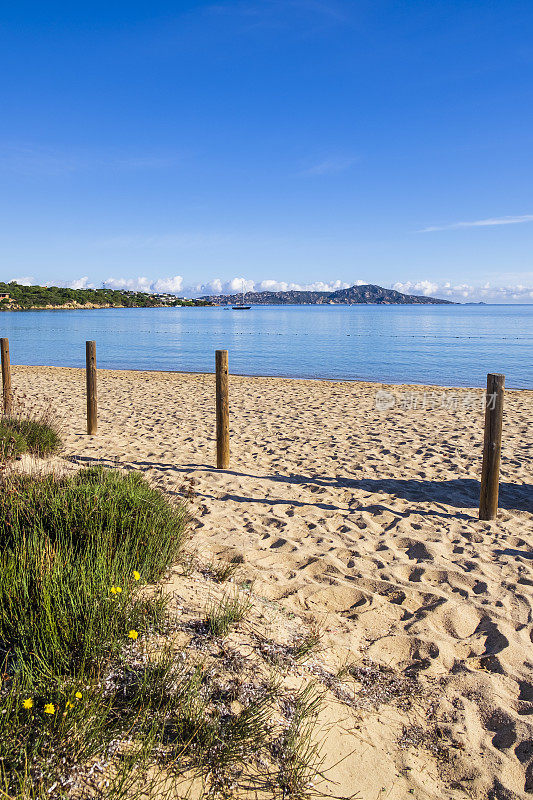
pixel 95 307
pixel 211 304
pixel 334 381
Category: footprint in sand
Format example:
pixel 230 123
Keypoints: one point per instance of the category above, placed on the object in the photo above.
pixel 419 552
pixel 416 574
pixel 526 691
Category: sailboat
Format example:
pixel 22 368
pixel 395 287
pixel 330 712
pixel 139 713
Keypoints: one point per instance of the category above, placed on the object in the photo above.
pixel 241 306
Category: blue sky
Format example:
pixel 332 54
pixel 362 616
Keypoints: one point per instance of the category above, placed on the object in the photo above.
pixel 185 146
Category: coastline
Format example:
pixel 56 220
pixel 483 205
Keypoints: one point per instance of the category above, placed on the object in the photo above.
pixel 360 522
pixel 93 306
pixel 66 307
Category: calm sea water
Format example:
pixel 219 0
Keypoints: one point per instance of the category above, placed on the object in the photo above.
pixel 444 345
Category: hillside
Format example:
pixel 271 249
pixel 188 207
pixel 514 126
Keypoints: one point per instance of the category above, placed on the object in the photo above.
pixel 40 297
pixel 355 295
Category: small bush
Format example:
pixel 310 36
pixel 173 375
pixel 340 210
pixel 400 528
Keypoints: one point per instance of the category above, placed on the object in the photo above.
pixel 92 704
pixel 18 436
pixel 161 724
pixel 69 549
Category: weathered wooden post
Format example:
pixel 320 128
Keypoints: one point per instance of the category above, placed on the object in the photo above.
pixel 222 408
pixel 6 376
pixel 92 408
pixel 492 447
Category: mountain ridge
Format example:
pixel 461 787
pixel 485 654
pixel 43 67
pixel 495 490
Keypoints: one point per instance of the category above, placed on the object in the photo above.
pixel 366 294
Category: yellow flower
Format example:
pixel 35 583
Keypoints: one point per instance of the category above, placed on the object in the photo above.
pixel 49 708
pixel 78 695
pixel 133 634
pixel 69 704
pixel 27 703
pixel 136 575
pixel 116 589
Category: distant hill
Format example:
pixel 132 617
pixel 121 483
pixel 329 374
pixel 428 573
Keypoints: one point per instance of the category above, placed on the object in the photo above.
pixel 15 297
pixel 355 295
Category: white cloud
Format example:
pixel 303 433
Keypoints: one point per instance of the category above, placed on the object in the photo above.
pixel 130 284
pixel 81 283
pixel 27 280
pixel 427 288
pixel 331 286
pixel 238 284
pixel 480 223
pixel 213 287
pixel 464 292
pixel 233 286
pixel 174 284
pixel 270 285
pixel 459 292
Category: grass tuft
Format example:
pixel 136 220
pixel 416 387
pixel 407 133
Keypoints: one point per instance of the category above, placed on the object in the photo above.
pixel 298 755
pixel 223 615
pixel 221 571
pixel 308 644
pixel 40 437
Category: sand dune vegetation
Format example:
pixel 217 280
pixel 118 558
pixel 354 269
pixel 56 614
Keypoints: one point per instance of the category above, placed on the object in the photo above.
pixel 95 691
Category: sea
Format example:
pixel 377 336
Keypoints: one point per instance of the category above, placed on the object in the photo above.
pixel 438 345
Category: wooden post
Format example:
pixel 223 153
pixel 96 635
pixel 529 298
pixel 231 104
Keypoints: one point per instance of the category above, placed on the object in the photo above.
pixel 92 408
pixel 222 401
pixel 6 376
pixel 490 473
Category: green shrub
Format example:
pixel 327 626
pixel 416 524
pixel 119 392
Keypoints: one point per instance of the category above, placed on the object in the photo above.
pixel 65 545
pixel 18 436
pixel 89 711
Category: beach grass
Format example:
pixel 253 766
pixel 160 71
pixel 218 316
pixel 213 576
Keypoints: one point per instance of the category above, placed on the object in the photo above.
pixel 70 548
pixel 96 701
pixel 226 613
pixel 222 571
pixel 39 436
pixel 299 752
pixel 74 552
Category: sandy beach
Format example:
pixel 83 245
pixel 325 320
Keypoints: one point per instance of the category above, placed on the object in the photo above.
pixel 361 520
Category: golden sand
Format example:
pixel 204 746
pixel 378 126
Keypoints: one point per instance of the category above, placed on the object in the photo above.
pixel 364 520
